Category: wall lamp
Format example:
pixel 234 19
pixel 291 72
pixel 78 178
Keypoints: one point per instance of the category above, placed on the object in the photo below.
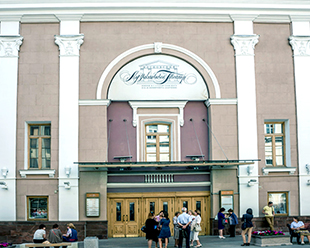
pixel 250 169
pixel 67 185
pixel 4 172
pixel 251 182
pixel 68 171
pixel 4 185
pixel 308 168
pixel 308 182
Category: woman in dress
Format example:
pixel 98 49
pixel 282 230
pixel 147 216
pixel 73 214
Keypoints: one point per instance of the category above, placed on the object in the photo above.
pixel 195 223
pixel 233 221
pixel 220 218
pixel 151 230
pixel 248 225
pixel 165 230
pixel 176 229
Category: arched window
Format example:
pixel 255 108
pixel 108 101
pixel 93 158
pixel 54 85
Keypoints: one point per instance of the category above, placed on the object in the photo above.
pixel 157 145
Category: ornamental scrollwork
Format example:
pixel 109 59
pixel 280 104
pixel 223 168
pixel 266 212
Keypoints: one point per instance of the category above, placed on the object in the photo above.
pixel 9 45
pixel 244 44
pixel 69 45
pixel 300 45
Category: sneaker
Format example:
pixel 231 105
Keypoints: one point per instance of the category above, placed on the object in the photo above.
pixel 191 245
pixel 223 237
pixel 302 243
pixel 198 246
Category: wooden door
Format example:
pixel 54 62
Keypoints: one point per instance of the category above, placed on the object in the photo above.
pixel 124 217
pixel 167 204
pixel 199 203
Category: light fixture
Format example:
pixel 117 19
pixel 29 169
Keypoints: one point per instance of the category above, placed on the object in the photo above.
pixel 4 185
pixel 308 182
pixel 251 182
pixel 250 169
pixel 68 171
pixel 67 185
pixel 308 168
pixel 4 172
pixel 195 157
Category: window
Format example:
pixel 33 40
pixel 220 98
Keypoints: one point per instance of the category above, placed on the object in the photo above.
pixel 37 207
pixel 274 144
pixel 39 146
pixel 280 202
pixel 157 142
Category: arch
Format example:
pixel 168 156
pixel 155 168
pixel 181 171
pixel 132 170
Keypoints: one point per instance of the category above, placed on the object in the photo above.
pixel 154 46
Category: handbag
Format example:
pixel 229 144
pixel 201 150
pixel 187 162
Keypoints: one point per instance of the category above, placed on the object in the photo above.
pixel 224 221
pixel 197 228
pixel 143 229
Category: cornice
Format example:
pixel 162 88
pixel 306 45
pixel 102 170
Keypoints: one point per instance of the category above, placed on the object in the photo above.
pixel 204 11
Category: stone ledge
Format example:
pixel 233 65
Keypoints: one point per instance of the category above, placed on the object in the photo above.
pixel 276 240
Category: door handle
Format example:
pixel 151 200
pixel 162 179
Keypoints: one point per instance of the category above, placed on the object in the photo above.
pixel 127 218
pixel 123 218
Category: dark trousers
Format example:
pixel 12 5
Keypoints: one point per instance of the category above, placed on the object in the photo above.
pixel 182 233
pixel 232 230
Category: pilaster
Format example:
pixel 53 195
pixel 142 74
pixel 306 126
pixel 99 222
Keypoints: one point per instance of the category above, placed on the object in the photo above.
pixel 69 47
pixel 10 42
pixel 244 43
pixel 301 52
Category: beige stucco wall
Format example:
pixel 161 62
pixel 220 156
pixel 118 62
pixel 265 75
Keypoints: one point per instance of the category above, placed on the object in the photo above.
pixel 105 41
pixel 275 100
pixel 37 100
pixel 93 133
pixel 223 123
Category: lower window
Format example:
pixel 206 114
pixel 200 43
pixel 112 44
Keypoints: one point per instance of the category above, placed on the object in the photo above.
pixel 280 202
pixel 37 207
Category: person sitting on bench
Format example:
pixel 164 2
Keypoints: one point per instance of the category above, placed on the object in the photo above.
pixel 40 234
pixel 71 235
pixel 299 227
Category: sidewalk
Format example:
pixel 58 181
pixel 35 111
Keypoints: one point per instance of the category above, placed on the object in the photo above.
pixel 206 241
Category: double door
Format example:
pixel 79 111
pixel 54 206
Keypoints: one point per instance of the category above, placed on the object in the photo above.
pixel 127 213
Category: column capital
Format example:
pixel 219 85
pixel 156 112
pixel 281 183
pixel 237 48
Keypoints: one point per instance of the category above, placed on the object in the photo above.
pixel 69 45
pixel 300 45
pixel 244 44
pixel 9 45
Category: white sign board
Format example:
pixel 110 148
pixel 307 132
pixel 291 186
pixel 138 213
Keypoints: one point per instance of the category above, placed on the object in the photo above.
pixel 158 77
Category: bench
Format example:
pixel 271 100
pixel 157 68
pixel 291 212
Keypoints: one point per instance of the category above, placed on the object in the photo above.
pixel 71 245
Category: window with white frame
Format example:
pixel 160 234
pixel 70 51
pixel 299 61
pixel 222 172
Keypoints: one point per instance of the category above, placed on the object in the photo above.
pixel 39 146
pixel 157 138
pixel 275 144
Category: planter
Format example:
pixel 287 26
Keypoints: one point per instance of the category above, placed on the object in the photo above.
pixel 270 240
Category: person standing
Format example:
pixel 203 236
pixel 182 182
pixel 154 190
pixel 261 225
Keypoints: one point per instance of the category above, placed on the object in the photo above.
pixel 184 221
pixel 176 229
pixel 164 230
pixel 151 230
pixel 233 221
pixel 55 235
pixel 220 218
pixel 247 226
pixel 196 223
pixel 191 236
pixel 268 211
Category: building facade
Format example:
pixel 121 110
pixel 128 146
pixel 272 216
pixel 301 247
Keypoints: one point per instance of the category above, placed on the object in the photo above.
pixel 112 110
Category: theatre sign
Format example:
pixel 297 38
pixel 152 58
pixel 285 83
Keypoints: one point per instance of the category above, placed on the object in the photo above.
pixel 158 77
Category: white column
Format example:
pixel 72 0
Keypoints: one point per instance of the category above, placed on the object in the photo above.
pixel 10 41
pixel 69 42
pixel 300 42
pixel 244 42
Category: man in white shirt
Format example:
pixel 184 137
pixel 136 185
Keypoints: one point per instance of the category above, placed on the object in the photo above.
pixel 184 221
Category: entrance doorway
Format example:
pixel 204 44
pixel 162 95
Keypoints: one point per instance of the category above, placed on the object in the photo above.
pixel 128 212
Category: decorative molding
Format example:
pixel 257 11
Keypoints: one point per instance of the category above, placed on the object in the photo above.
pixel 157 104
pixel 69 45
pixel 171 184
pixel 164 46
pixel 244 44
pixel 159 178
pixel 103 102
pixel 300 45
pixel 9 45
pixel 267 170
pixel 24 173
pixel 157 47
pixel 221 101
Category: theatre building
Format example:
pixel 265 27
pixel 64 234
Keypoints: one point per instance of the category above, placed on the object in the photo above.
pixel 110 111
